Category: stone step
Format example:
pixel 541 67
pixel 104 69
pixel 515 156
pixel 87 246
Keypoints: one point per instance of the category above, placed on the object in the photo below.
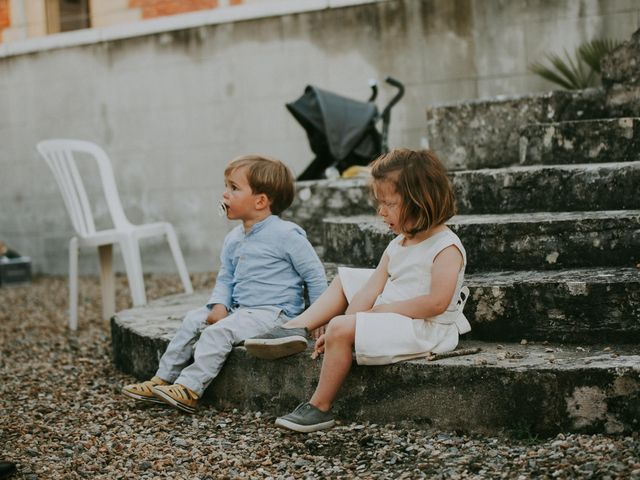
pixel 545 388
pixel 525 241
pixel 485 133
pixel 621 78
pixel 317 199
pixel 585 141
pixel 608 186
pixel 587 306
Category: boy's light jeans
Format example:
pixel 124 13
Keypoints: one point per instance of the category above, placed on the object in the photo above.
pixel 209 345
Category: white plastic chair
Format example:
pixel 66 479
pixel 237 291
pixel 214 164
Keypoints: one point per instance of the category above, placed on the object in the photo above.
pixel 59 155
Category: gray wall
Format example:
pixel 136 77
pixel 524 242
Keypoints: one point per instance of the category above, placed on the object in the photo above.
pixel 173 108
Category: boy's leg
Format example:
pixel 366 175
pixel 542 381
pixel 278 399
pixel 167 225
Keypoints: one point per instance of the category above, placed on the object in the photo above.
pixel 181 347
pixel 315 414
pixel 174 359
pixel 215 344
pixel 291 338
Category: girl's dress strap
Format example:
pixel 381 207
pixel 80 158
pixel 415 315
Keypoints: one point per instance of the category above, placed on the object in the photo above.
pixel 447 238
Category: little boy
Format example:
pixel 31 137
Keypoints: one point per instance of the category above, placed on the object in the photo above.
pixel 264 264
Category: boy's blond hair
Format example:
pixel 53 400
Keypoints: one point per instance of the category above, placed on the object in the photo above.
pixel 269 176
pixel 422 182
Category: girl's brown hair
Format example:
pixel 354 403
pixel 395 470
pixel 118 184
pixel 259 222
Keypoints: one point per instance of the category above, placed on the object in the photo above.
pixel 269 176
pixel 422 182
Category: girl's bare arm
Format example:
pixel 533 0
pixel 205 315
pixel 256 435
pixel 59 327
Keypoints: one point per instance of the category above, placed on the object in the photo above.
pixel 364 299
pixel 444 276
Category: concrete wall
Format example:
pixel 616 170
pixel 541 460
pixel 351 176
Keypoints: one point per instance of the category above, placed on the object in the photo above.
pixel 173 108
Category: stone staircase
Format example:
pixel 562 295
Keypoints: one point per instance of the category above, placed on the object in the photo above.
pixel 549 214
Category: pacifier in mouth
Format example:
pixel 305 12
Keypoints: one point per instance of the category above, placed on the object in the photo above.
pixel 222 208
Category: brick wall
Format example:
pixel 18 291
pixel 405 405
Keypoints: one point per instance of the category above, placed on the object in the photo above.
pixel 160 8
pixel 5 16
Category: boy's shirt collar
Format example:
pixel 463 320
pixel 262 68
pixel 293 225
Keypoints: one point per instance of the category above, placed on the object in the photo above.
pixel 259 226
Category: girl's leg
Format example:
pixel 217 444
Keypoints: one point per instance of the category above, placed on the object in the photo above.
pixel 330 304
pixel 339 340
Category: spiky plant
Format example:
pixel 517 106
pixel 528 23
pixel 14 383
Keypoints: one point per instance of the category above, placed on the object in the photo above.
pixel 577 72
pixel 594 51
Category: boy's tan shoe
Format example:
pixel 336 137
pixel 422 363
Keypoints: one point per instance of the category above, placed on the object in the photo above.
pixel 144 391
pixel 177 395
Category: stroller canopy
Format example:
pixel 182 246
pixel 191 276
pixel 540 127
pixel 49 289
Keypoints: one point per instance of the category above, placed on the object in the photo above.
pixel 336 125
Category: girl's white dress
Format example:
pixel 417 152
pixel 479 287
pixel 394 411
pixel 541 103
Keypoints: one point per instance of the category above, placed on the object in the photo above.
pixel 383 338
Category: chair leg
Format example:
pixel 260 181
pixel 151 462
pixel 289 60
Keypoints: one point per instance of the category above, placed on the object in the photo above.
pixel 131 254
pixel 179 259
pixel 107 283
pixel 73 284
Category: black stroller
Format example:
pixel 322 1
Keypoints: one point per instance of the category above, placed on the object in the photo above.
pixel 342 132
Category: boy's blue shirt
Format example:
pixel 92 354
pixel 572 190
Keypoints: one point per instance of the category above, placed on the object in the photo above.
pixel 267 267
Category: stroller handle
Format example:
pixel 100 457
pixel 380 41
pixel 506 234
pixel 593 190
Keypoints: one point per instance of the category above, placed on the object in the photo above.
pixel 374 89
pixel 397 97
pixel 386 113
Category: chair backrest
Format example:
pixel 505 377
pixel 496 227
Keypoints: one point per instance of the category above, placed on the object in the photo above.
pixel 59 155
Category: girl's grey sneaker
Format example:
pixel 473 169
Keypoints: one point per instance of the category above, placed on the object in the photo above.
pixel 277 343
pixel 305 419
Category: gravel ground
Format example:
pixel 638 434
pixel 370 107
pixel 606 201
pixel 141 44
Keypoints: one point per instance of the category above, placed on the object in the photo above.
pixel 63 417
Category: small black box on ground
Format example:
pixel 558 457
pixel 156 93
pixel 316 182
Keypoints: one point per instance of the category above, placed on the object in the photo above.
pixel 15 270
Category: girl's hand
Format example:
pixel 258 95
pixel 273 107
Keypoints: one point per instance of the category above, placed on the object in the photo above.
pixel 318 332
pixel 319 348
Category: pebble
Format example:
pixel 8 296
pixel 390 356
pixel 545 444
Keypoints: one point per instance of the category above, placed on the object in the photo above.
pixel 63 417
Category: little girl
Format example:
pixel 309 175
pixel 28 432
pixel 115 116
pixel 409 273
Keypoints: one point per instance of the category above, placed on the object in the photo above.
pixel 409 306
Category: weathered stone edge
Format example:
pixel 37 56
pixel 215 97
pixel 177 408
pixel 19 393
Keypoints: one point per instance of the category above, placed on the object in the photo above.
pixel 596 392
pixel 455 394
pixel 608 186
pixel 581 306
pixel 485 133
pixel 535 241
pixel 591 141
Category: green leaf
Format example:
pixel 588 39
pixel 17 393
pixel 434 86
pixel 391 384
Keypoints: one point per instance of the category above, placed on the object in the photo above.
pixel 582 70
pixel 594 51
pixel 551 75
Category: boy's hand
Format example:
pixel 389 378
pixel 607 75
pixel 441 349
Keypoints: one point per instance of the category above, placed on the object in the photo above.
pixel 319 348
pixel 217 313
